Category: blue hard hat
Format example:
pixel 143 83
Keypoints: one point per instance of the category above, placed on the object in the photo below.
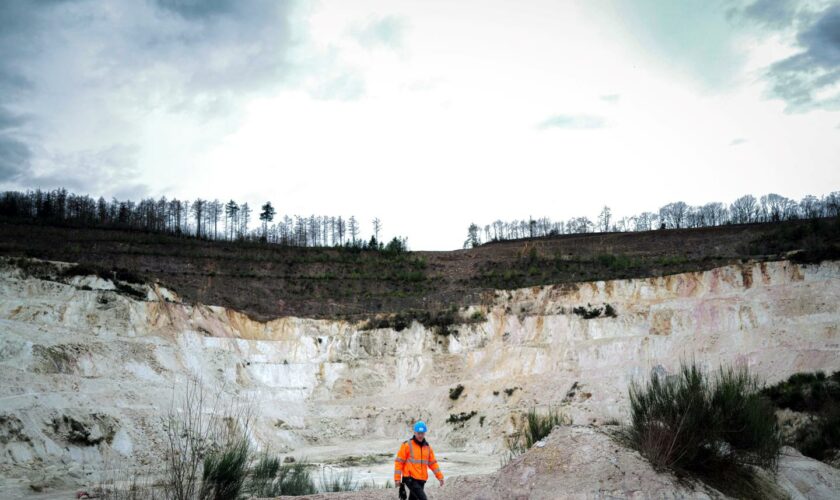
pixel 420 426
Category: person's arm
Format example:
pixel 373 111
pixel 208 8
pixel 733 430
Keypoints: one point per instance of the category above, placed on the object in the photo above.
pixel 433 464
pixel 399 464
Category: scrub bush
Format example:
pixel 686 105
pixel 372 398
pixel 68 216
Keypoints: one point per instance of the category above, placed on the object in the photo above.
pixel 690 421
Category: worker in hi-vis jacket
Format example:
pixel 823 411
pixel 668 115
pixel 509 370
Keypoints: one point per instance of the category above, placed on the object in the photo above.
pixel 414 457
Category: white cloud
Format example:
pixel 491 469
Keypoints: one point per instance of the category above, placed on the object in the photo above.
pixel 422 114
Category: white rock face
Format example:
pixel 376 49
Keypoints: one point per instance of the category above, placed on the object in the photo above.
pixel 324 388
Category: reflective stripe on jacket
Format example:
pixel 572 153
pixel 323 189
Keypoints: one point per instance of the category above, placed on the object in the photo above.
pixel 412 460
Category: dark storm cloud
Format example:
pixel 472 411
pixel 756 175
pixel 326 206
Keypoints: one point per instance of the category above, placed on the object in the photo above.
pixel 168 53
pixel 206 51
pixel 799 78
pixel 768 13
pixel 19 23
pixel 77 63
pixel 573 122
pixel 14 159
pixel 9 120
pixel 14 154
pixel 112 170
pixel 804 80
pixel 197 9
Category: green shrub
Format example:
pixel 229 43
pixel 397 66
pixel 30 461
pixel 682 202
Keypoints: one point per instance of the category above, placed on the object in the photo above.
pixel 691 422
pixel 539 426
pixel 747 418
pixel 414 276
pixel 615 262
pixel 269 478
pixel 821 439
pixel 338 481
pixel 438 321
pixel 806 392
pixel 818 395
pixel 225 471
pixel 588 312
pixel 455 392
pixel 264 478
pixel 419 263
pixel 478 317
pixel 130 291
pixel 295 479
pixel 129 276
pixel 534 428
pixel 459 418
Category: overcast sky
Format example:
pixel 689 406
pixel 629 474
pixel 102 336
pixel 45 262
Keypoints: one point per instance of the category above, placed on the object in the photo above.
pixel 428 114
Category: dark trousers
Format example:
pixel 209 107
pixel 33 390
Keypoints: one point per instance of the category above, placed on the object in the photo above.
pixel 415 488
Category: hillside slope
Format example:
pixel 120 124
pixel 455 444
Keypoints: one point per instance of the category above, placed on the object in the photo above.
pixel 267 281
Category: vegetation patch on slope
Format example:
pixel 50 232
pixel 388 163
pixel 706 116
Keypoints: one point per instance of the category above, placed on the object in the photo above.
pixel 267 281
pixel 816 396
pixel 712 427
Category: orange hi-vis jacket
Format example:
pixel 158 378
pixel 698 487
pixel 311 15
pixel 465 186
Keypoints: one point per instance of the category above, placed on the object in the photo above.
pixel 412 460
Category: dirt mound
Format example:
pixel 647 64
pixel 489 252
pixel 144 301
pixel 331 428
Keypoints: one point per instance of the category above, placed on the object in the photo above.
pixel 574 461
pixel 585 462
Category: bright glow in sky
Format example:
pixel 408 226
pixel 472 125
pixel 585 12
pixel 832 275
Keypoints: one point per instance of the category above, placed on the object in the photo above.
pixel 429 115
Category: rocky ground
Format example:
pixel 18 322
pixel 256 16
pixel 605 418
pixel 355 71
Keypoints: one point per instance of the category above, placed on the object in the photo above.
pixel 584 462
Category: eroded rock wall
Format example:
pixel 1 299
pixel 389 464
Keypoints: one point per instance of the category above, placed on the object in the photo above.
pixel 87 372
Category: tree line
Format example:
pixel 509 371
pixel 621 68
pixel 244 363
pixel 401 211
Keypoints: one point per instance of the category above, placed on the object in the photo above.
pixel 200 218
pixel 746 209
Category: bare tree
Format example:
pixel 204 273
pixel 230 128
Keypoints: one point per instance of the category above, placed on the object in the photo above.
pixel 342 230
pixel 811 207
pixel 604 219
pixel 188 430
pixel 199 207
pixel 244 220
pixel 744 209
pixel 353 227
pixel 832 204
pixel 674 214
pixel 712 214
pixel 314 230
pixel 377 226
pixel 214 213
pixel 646 221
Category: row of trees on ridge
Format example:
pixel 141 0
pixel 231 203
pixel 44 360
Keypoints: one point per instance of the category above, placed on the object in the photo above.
pixel 746 209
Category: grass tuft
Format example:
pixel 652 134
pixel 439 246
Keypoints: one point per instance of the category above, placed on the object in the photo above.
pixel 225 471
pixel 338 481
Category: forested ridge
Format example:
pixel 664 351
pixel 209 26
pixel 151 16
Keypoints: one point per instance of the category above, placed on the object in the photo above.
pixel 268 273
